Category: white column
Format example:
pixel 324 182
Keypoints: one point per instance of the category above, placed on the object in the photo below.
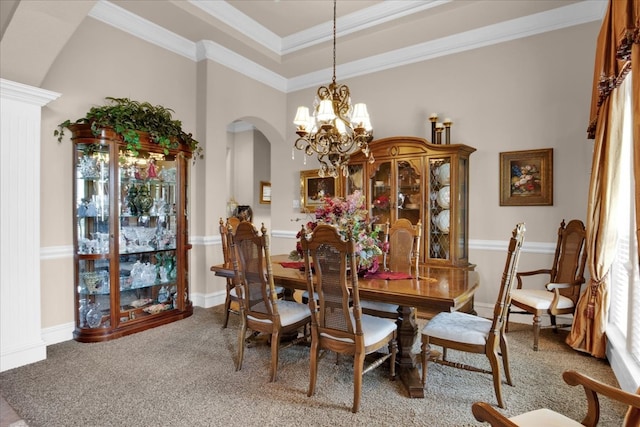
pixel 20 317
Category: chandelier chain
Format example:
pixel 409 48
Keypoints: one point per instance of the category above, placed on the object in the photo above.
pixel 334 41
pixel 336 129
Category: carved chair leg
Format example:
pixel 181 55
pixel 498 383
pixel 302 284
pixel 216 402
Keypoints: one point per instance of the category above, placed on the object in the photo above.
pixel 358 365
pixel 425 353
pixel 275 347
pixel 241 338
pixel 313 367
pixel 227 308
pixel 536 331
pixel 497 377
pixel 504 348
pixel 393 349
pixel 553 323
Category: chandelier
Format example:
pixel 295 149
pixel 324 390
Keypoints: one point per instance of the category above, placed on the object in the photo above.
pixel 336 129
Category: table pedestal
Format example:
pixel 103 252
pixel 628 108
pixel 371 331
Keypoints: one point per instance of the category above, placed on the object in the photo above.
pixel 408 371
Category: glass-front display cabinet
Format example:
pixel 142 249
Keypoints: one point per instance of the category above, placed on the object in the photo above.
pixel 422 182
pixel 130 235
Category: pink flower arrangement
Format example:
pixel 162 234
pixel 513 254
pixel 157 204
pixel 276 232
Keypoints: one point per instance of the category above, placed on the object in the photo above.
pixel 341 213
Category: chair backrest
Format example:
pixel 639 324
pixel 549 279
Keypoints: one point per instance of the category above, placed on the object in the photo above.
pixel 231 223
pixel 332 259
pixel 252 265
pixel 570 258
pixel 501 308
pixel 403 246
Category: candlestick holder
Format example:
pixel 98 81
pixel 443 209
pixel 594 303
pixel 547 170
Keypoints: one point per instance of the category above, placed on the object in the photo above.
pixel 447 130
pixel 439 134
pixel 433 118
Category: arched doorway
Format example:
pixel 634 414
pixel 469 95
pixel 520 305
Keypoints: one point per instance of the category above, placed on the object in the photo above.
pixel 248 166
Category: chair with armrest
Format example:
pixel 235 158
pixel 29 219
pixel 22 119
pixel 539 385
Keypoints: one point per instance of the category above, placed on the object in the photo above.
pixel 337 322
pixel 474 334
pixel 566 277
pixel 483 411
pixel 401 254
pixel 260 309
pixel 230 225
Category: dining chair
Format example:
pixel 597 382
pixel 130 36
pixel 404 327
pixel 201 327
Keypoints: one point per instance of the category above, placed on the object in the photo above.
pixel 566 277
pixel 401 254
pixel 260 309
pixel 337 322
pixel 225 227
pixel 593 388
pixel 474 334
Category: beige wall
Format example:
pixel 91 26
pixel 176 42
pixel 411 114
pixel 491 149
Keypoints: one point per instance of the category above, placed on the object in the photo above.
pixel 524 94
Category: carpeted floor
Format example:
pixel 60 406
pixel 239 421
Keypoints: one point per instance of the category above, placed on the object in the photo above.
pixel 182 374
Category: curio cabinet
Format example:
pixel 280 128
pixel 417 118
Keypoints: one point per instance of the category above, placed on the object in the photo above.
pixel 130 216
pixel 413 179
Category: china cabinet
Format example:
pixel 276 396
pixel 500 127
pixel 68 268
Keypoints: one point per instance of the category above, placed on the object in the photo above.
pixel 130 235
pixel 413 179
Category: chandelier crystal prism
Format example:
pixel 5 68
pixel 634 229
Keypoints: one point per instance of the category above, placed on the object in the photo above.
pixel 336 129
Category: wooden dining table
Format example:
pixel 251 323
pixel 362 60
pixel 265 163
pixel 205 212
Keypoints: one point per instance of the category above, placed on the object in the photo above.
pixel 436 289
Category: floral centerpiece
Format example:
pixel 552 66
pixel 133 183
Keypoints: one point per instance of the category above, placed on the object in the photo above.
pixel 342 214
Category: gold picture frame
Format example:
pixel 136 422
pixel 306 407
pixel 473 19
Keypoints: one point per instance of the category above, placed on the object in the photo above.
pixel 526 178
pixel 314 189
pixel 265 193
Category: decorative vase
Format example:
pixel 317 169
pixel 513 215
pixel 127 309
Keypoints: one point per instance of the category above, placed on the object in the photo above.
pixel 132 192
pixel 163 295
pixel 82 313
pixel 94 315
pixel 143 200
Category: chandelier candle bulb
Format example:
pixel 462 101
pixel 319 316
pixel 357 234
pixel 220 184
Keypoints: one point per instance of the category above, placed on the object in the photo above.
pixel 302 118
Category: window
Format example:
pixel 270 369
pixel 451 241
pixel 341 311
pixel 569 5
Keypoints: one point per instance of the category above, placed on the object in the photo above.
pixel 623 328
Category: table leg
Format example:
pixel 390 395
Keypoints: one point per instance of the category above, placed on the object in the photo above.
pixel 407 364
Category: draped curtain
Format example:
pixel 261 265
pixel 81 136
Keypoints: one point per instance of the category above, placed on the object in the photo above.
pixel 617 54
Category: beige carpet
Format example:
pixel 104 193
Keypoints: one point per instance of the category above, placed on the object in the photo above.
pixel 182 374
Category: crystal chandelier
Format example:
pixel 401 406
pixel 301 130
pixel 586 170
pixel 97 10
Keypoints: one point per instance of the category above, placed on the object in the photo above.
pixel 336 129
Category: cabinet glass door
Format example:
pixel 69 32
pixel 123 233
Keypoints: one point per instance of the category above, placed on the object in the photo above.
pixel 409 190
pixel 355 180
pixel 382 195
pixel 439 208
pixel 92 231
pixel 147 236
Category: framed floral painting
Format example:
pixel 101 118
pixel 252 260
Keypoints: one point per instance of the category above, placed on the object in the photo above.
pixel 314 189
pixel 526 178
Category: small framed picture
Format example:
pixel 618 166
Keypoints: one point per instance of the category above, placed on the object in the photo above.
pixel 526 178
pixel 314 189
pixel 265 193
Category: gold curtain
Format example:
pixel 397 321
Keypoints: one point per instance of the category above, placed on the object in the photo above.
pixel 617 53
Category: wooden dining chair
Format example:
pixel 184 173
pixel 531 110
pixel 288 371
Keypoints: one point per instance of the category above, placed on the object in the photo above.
pixel 337 322
pixel 593 388
pixel 401 254
pixel 566 277
pixel 475 334
pixel 231 296
pixel 260 309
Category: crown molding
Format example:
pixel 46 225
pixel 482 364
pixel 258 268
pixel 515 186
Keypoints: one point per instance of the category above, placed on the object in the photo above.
pixel 357 21
pixel 562 17
pixel 231 16
pixel 217 53
pixel 25 93
pixel 143 29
